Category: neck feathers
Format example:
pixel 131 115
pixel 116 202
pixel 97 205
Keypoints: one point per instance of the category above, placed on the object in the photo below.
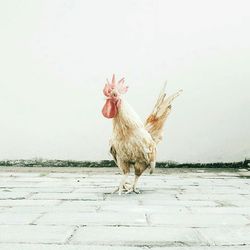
pixel 126 120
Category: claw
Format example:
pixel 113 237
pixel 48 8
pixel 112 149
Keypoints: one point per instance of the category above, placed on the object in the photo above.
pixel 135 190
pixel 129 191
pixel 126 187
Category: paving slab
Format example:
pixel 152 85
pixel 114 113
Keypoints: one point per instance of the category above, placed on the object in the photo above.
pixel 177 210
pixel 7 218
pixel 39 189
pixel 6 194
pixel 34 234
pixel 67 196
pixel 94 247
pixel 197 220
pixel 129 236
pixel 227 236
pixel 69 247
pixel 225 211
pixel 27 202
pixel 144 208
pixel 94 218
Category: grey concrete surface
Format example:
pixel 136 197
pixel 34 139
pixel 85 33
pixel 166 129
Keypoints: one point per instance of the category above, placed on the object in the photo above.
pixel 177 209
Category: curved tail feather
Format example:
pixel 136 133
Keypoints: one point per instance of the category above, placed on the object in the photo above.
pixel 155 122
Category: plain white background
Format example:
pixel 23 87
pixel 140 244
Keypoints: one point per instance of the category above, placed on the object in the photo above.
pixel 55 56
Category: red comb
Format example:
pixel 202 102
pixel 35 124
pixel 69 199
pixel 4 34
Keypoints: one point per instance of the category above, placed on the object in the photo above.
pixel 120 86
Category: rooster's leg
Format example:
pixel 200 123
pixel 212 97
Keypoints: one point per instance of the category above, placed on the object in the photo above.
pixel 133 187
pixel 126 186
pixel 136 190
pixel 139 169
pixel 122 183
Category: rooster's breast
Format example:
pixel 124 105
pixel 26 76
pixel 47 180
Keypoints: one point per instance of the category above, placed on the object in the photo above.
pixel 136 147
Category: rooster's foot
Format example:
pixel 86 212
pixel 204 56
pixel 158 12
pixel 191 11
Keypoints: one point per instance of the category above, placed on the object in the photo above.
pixel 135 190
pixel 126 187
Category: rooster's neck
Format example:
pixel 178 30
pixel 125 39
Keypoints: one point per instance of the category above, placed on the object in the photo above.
pixel 126 120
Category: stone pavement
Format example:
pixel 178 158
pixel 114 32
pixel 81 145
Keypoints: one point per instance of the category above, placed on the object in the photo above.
pixel 74 209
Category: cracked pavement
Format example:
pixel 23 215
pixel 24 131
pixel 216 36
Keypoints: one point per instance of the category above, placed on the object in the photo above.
pixel 178 209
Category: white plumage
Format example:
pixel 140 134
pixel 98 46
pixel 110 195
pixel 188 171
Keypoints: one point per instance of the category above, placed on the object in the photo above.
pixel 134 143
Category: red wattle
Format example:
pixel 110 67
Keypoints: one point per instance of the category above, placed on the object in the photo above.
pixel 110 109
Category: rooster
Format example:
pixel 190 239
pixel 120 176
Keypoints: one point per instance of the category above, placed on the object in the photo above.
pixel 133 142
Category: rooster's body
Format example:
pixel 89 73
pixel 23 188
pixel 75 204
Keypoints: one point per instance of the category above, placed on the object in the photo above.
pixel 133 143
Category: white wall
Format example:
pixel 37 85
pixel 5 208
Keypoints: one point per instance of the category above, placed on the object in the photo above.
pixel 55 56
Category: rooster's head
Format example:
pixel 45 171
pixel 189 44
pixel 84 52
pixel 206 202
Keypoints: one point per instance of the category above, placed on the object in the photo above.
pixel 113 92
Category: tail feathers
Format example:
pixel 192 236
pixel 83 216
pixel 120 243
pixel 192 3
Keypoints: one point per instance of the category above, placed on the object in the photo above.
pixel 155 122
